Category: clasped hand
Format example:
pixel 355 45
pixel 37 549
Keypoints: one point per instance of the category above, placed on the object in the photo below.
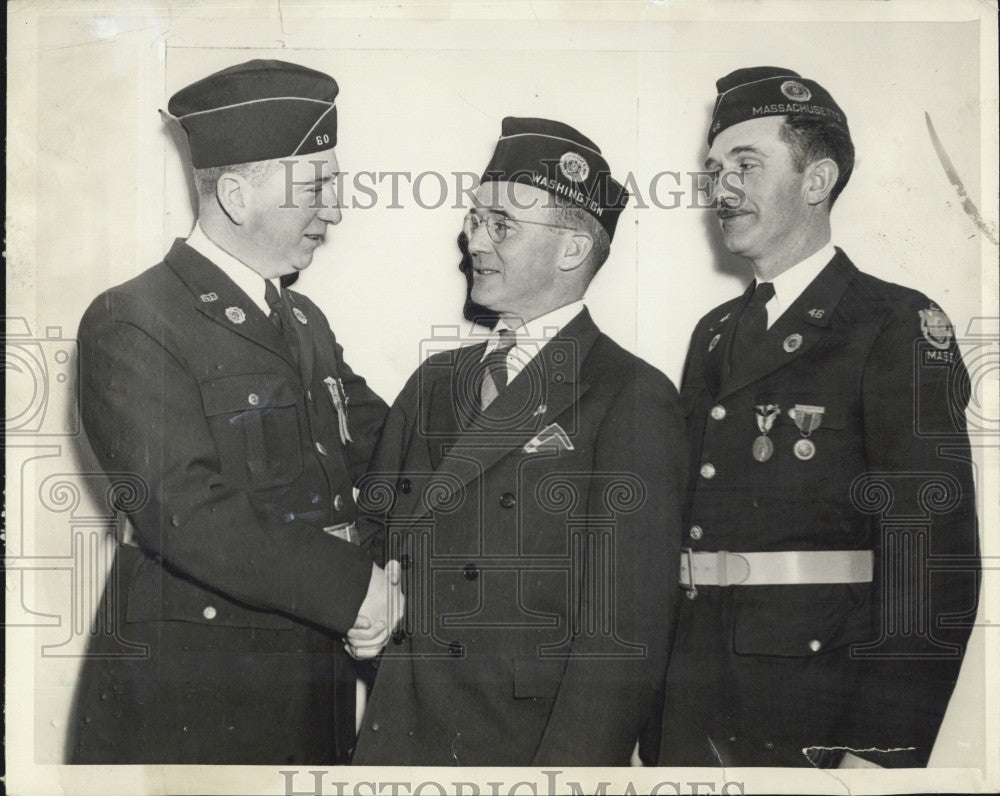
pixel 380 613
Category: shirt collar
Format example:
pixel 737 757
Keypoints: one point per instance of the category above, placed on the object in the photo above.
pixel 532 336
pixel 791 283
pixel 246 279
pixel 538 331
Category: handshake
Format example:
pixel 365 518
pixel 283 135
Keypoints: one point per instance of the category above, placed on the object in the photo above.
pixel 380 613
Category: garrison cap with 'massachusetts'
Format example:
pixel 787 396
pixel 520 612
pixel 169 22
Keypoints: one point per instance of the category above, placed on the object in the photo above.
pixel 770 91
pixel 556 158
pixel 259 110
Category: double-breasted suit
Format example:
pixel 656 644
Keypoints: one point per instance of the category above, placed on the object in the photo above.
pixel 786 674
pixel 230 585
pixel 539 543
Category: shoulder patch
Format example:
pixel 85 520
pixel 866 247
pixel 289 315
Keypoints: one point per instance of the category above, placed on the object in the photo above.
pixel 936 327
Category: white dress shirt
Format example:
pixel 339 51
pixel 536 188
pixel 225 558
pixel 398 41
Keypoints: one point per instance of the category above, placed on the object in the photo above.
pixel 532 336
pixel 246 279
pixel 789 284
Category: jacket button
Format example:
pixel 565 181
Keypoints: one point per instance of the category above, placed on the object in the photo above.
pixel 707 471
pixel 696 532
pixel 718 412
pixel 253 399
pixel 320 449
pixel 375 726
pixel 815 645
pixel 399 636
pixel 406 486
pixel 209 612
pixel 507 500
pixel 176 520
pixel 455 650
pixel 471 572
pixel 405 562
pixel 338 503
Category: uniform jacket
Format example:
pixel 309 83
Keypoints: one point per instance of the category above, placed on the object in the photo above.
pixel 761 673
pixel 540 578
pixel 230 589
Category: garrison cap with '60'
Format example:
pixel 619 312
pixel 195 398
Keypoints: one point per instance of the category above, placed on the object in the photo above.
pixel 259 110
pixel 770 91
pixel 554 157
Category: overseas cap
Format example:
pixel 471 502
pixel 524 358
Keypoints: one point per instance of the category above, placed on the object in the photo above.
pixel 558 159
pixel 770 91
pixel 260 110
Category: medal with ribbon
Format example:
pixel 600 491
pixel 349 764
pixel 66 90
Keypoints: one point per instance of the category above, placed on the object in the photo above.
pixel 763 448
pixel 808 419
pixel 339 397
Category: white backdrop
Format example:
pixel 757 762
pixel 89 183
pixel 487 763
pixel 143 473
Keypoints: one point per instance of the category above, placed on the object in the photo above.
pixel 97 191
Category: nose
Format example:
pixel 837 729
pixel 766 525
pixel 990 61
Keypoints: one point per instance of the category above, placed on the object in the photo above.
pixel 723 190
pixel 479 240
pixel 330 212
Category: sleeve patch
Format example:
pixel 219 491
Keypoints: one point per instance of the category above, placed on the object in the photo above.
pixel 936 327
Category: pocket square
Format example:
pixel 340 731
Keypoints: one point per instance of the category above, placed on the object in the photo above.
pixel 550 438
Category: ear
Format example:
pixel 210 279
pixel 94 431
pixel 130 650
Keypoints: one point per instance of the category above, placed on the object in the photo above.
pixel 821 176
pixel 575 252
pixel 233 193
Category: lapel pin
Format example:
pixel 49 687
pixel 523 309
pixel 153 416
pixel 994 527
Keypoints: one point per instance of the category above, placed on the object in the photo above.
pixel 714 342
pixel 725 317
pixel 300 316
pixel 236 315
pixel 792 343
pixel 207 297
pixel 816 313
pixel 539 411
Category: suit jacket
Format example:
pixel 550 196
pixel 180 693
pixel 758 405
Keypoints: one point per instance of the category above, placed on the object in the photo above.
pixel 231 585
pixel 762 672
pixel 540 584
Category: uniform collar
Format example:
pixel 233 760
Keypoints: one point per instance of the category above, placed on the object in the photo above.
pixel 246 279
pixel 791 283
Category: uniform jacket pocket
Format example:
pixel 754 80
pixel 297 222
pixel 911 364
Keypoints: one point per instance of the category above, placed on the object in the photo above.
pixel 787 622
pixel 254 419
pixel 157 595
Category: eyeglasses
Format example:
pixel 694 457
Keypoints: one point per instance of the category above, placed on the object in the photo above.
pixel 497 225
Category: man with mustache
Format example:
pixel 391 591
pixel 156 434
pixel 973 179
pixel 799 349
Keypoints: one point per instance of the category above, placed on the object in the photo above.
pixel 530 488
pixel 830 466
pixel 229 397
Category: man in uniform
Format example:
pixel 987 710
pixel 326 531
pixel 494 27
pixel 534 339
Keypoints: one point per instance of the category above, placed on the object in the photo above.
pixel 530 487
pixel 229 397
pixel 830 473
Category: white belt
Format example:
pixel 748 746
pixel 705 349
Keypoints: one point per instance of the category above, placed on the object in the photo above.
pixel 775 569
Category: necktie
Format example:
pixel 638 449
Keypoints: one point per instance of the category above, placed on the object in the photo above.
pixel 752 324
pixel 279 317
pixel 495 369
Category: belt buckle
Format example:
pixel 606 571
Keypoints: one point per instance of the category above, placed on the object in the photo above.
pixel 692 590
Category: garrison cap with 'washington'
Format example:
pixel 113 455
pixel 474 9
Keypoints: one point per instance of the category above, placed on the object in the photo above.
pixel 770 91
pixel 556 158
pixel 260 110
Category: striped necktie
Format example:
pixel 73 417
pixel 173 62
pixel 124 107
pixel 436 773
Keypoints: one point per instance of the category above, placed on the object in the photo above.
pixel 495 368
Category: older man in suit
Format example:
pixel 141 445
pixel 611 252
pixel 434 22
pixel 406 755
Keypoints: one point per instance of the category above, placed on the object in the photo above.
pixel 230 398
pixel 831 509
pixel 530 487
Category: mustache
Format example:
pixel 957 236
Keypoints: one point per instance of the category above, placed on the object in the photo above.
pixel 725 209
